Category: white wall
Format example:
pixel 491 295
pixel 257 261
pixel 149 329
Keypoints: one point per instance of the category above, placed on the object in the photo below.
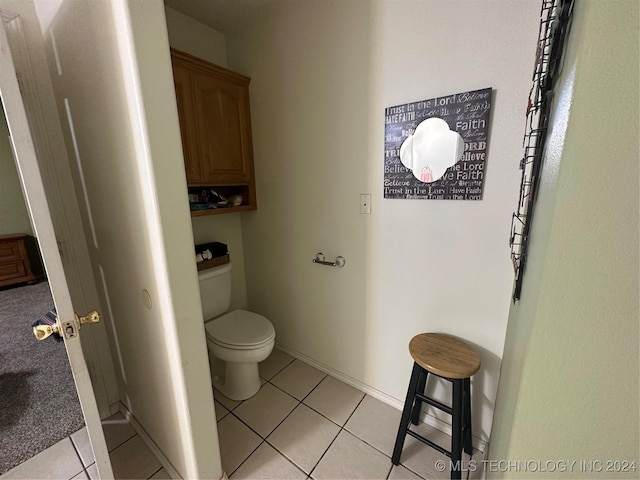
pixel 323 72
pixel 569 383
pixel 193 37
pixel 111 70
pixel 14 217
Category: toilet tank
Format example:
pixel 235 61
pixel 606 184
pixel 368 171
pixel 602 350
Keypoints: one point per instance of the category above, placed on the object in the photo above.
pixel 215 290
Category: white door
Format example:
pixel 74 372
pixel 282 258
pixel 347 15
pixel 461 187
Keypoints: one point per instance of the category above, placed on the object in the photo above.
pixel 32 185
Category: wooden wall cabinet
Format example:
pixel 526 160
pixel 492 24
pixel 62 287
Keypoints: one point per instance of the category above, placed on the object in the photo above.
pixel 215 124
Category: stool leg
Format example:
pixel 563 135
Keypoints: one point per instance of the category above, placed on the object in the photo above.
pixel 456 434
pixel 406 413
pixel 466 423
pixel 422 382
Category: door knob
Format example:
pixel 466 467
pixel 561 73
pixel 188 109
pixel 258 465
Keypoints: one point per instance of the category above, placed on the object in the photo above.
pixel 69 329
pixel 44 331
pixel 91 317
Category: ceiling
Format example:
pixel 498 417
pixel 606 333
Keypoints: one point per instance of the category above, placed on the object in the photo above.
pixel 226 16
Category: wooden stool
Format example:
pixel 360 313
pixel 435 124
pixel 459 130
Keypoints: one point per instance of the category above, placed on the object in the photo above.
pixel 447 357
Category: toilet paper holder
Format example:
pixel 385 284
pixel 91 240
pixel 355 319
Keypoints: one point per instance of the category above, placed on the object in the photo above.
pixel 340 261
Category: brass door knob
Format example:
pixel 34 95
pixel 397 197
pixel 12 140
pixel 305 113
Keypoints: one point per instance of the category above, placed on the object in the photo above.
pixel 91 317
pixel 69 329
pixel 44 331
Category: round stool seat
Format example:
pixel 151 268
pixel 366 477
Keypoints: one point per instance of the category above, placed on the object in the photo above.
pixel 444 355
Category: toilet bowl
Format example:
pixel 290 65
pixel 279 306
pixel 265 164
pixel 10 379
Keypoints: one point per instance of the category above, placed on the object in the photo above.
pixel 237 341
pixel 240 339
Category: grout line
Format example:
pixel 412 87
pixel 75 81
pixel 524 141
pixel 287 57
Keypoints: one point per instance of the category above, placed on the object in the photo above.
pixel 248 456
pixel 75 448
pixel 264 439
pixel 73 444
pixel 317 385
pixel 220 393
pixel 325 452
pixel 327 418
pixel 354 410
pixel 281 369
pixel 301 402
pixel 259 434
pixel 161 467
pixel 364 441
pixel 341 427
pixel 338 434
pixel 286 458
pixel 390 470
pixel 282 453
pixel 303 398
pixel 231 412
pixel 121 444
pixel 223 416
pixel 280 423
pixel 283 391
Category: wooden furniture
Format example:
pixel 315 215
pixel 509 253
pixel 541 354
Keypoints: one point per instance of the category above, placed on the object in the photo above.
pixel 450 358
pixel 215 124
pixel 15 266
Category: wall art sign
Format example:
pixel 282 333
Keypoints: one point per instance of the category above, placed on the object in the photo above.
pixel 436 149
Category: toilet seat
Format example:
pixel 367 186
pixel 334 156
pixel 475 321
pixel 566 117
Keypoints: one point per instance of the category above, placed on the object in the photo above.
pixel 240 330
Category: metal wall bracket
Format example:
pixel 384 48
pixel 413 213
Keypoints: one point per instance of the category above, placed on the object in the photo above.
pixel 340 261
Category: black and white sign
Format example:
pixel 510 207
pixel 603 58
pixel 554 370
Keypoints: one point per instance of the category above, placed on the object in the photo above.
pixel 433 161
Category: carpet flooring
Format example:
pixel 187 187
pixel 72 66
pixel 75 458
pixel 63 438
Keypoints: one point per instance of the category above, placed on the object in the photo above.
pixel 38 401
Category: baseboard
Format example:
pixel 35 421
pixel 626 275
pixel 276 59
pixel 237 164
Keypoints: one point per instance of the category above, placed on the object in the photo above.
pixel 429 419
pixel 114 408
pixel 164 461
pixel 377 394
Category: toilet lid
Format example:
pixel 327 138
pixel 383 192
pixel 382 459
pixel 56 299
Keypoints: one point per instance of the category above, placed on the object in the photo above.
pixel 240 328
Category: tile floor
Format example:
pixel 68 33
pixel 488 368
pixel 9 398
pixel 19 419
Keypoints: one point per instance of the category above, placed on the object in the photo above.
pixel 72 457
pixel 302 424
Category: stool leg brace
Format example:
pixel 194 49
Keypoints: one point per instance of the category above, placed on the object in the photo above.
pixel 460 412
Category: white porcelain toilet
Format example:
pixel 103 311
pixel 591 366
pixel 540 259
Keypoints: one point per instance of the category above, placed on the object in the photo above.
pixel 238 339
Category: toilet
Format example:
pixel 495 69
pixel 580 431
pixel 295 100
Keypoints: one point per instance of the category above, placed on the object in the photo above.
pixel 236 341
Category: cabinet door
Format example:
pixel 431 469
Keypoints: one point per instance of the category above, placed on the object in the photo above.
pixel 224 131
pixel 186 115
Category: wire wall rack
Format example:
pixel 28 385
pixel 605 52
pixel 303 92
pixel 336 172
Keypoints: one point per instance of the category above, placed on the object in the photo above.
pixel 555 19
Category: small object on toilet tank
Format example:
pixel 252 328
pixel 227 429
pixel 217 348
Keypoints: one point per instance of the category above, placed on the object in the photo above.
pixel 217 249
